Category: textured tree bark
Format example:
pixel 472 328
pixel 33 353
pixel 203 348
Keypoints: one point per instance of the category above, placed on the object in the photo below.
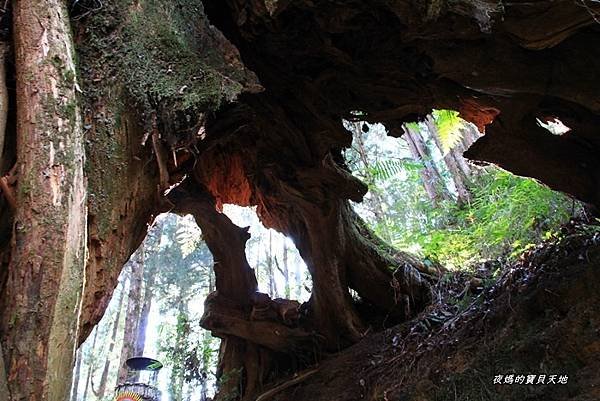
pixel 3 383
pixel 223 320
pixel 332 242
pixel 3 98
pixel 122 184
pixel 45 279
pixel 323 245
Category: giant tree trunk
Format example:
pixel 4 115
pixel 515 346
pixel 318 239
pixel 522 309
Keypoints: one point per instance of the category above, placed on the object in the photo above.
pixel 40 300
pixel 308 203
pixel 45 279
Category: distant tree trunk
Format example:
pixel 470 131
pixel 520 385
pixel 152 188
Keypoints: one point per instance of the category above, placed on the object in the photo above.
pixel 176 381
pixel 376 202
pixel 286 269
pixel 464 166
pixel 90 370
pixel 111 347
pixel 432 180
pixel 41 300
pixel 270 271
pixel 211 281
pixel 298 280
pixel 458 176
pixel 206 364
pixel 76 375
pixel 132 315
pixel 150 279
pixel 470 135
pixel 257 263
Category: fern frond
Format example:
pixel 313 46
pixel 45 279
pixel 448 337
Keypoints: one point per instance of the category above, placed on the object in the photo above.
pixel 449 126
pixel 385 169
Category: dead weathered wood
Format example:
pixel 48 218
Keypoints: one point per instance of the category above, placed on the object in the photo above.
pixel 3 98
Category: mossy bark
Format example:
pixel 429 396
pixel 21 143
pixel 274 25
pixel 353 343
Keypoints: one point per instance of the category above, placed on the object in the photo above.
pixel 42 298
pixel 143 61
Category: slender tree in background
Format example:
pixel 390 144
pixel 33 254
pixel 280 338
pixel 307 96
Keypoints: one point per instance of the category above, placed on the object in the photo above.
pixel 270 271
pixel 76 375
pixel 101 391
pixel 286 270
pixel 149 250
pixel 375 201
pixel 298 279
pixel 432 179
pixel 150 273
pixel 91 364
pixel 459 178
pixel 184 275
pixel 136 275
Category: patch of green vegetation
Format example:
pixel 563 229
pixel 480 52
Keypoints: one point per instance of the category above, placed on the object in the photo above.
pixel 161 55
pixel 507 215
pixel 503 215
pixel 157 52
pixel 153 56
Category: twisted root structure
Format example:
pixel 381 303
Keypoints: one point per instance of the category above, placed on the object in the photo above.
pixel 233 101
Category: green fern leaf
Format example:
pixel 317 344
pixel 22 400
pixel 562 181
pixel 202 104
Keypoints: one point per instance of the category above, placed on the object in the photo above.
pixel 449 126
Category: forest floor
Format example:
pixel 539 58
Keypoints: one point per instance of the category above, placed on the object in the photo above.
pixel 540 316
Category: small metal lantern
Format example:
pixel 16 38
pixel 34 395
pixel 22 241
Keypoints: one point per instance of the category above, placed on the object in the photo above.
pixel 140 384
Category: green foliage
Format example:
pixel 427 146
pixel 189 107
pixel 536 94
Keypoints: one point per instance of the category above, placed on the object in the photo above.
pixel 382 170
pixel 161 54
pixel 163 60
pixel 506 216
pixel 183 278
pixel 189 236
pixel 449 126
pixel 155 366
